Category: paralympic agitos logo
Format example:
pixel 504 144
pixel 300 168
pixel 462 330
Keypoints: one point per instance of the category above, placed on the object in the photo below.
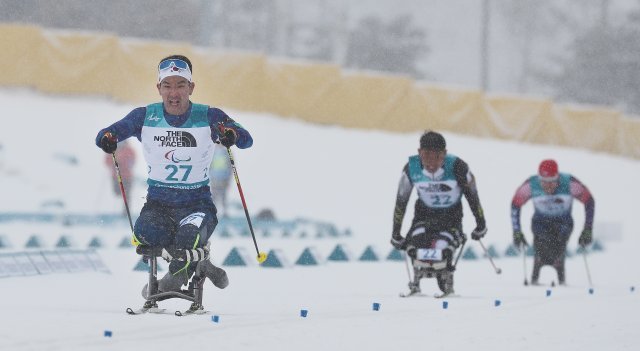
pixel 172 157
pixel 176 139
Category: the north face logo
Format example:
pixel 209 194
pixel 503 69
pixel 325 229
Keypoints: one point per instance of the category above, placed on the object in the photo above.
pixel 435 188
pixel 176 139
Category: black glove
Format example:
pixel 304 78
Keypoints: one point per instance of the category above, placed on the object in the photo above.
pixel 518 239
pixel 227 137
pixel 479 232
pixel 398 241
pixel 108 143
pixel 585 238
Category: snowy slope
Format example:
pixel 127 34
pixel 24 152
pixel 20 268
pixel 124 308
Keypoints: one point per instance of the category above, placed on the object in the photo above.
pixel 347 177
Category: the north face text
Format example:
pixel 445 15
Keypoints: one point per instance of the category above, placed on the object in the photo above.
pixel 176 139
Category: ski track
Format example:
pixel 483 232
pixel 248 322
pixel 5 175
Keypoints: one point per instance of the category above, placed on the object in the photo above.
pixel 322 173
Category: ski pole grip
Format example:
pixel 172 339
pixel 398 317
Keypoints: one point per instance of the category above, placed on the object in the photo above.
pixel 150 251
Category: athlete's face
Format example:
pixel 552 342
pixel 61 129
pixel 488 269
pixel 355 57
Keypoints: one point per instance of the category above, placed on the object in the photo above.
pixel 175 91
pixel 549 187
pixel 432 160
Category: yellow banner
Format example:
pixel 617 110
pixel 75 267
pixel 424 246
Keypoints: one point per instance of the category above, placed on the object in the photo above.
pixel 68 62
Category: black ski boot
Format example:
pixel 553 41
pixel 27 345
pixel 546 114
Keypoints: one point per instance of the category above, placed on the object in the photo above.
pixel 217 275
pixel 445 283
pixel 414 287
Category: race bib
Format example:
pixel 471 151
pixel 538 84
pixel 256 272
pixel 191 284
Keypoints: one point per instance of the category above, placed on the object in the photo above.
pixel 429 254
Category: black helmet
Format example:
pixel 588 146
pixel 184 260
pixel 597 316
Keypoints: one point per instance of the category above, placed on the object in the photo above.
pixel 431 140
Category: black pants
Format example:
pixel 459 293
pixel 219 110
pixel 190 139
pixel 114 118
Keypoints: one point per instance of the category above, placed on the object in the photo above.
pixel 549 251
pixel 550 237
pixel 185 227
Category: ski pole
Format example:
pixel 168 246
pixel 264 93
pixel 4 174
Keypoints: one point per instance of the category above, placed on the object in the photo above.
pixel 464 241
pixel 406 264
pixel 524 263
pixel 261 255
pixel 134 241
pixel 486 253
pixel 586 266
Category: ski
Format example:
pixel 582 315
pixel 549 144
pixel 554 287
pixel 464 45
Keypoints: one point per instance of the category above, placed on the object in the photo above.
pixel 156 310
pixel 194 309
pixel 144 310
pixel 435 296
pixel 412 293
pixel 190 312
pixel 443 295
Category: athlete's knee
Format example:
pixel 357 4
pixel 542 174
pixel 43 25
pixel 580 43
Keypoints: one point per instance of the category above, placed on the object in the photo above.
pixel 195 230
pixel 152 235
pixel 418 229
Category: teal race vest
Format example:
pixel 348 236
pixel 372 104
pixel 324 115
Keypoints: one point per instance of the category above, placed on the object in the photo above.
pixel 177 157
pixel 441 191
pixel 553 205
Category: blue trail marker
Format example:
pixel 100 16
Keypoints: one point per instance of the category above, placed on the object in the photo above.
pixel 303 313
pixel 445 304
pixel 376 306
pixel 107 333
pixel 497 303
pixel 215 319
pixel 548 292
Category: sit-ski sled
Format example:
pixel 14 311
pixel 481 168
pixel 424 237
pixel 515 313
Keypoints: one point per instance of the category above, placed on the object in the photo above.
pixel 193 293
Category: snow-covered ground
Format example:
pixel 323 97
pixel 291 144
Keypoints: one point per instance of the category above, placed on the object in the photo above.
pixel 343 176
